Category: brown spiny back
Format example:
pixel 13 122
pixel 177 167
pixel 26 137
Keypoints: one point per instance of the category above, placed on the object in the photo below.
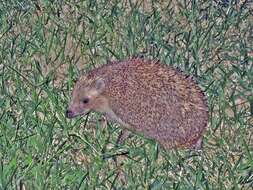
pixel 155 100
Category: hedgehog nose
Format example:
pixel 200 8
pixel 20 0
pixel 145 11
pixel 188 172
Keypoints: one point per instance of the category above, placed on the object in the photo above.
pixel 69 114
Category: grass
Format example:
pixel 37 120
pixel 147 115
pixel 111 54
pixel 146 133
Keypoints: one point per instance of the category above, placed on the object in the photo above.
pixel 46 45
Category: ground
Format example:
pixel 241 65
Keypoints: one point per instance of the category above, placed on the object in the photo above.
pixel 46 45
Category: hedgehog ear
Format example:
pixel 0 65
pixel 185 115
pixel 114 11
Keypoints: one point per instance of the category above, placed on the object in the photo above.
pixel 100 85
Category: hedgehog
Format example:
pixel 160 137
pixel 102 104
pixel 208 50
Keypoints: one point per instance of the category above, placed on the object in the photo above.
pixel 145 97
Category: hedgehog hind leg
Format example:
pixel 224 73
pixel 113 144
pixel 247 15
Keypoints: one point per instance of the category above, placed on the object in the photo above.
pixel 198 145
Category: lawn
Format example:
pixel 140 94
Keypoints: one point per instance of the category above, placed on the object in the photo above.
pixel 46 45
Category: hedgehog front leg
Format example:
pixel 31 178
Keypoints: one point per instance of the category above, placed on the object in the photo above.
pixel 124 134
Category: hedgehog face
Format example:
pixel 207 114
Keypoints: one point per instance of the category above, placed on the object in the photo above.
pixel 86 97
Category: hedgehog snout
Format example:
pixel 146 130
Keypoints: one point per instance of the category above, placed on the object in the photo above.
pixel 70 114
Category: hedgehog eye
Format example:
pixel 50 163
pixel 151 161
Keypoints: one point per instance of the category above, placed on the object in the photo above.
pixel 85 100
